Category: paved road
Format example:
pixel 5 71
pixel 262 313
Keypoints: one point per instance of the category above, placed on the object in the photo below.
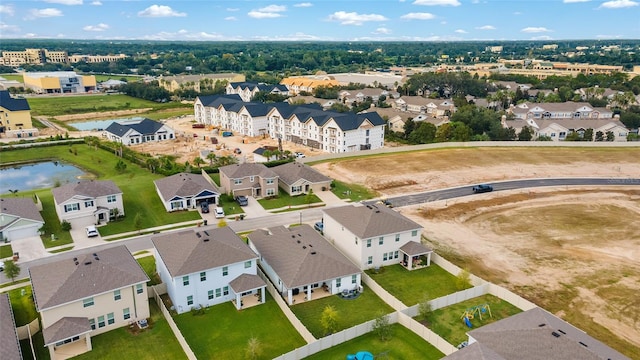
pixel 310 216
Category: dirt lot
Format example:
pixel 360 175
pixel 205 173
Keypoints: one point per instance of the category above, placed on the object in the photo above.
pixel 574 252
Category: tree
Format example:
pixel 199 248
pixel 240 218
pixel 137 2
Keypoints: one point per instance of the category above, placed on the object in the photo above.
pixel 425 309
pixel 137 222
pixel 211 157
pixel 424 133
pixel 11 269
pixel 153 164
pixel 610 136
pixel 526 133
pixel 382 328
pixel 254 348
pixel 329 319
pixel 65 225
pixel 588 135
pixel 308 199
pixel 198 161
pixel 121 166
pixel 599 136
pixel 463 279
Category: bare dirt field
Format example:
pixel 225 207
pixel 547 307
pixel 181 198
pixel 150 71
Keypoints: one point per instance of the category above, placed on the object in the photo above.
pixel 575 252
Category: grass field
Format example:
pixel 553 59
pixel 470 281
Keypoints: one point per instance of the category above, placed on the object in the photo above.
pixel 148 264
pixel 353 192
pixel 63 105
pixel 16 77
pixel 103 78
pixel 6 251
pixel 283 199
pixel 24 309
pixel 404 344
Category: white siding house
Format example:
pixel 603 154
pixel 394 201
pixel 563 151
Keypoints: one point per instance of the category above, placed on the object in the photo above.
pixel 88 202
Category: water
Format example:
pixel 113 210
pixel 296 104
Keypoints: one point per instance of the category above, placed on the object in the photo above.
pixel 101 124
pixel 41 175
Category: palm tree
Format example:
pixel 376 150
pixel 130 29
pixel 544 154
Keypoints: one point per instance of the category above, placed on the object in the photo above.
pixel 152 164
pixel 198 161
pixel 211 157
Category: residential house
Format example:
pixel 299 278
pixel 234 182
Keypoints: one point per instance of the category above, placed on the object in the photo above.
pixel 565 110
pixel 92 293
pixel 197 82
pixel 59 82
pixel 186 191
pixel 312 100
pixel 297 84
pixel 88 202
pixel 533 334
pixel 373 236
pixel 204 268
pixel 15 117
pixel 247 90
pixel 20 219
pixel 260 154
pixel 417 104
pixel 358 96
pixel 248 179
pixel 9 342
pixel 297 178
pixel 138 131
pixel 298 260
pixel 558 130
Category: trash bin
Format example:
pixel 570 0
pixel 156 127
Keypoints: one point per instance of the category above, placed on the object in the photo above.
pixel 205 222
pixel 241 216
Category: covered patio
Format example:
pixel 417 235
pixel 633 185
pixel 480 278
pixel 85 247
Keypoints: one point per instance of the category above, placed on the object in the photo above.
pixel 415 255
pixel 68 337
pixel 249 290
pixel 311 293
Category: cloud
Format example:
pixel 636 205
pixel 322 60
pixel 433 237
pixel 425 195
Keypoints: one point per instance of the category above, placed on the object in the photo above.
pixel 96 3
pixel 65 2
pixel 233 9
pixel 160 11
pixel 437 2
pixel 99 27
pixel 382 30
pixel 574 1
pixel 517 13
pixel 231 18
pixel 7 9
pixel 273 8
pixel 5 28
pixel 619 4
pixel 353 18
pixel 184 35
pixel 44 13
pixel 263 15
pixel 486 27
pixel 417 16
pixel 305 4
pixel 460 31
pixel 541 37
pixel 531 29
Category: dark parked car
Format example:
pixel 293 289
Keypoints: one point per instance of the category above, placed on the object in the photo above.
pixel 204 206
pixel 319 226
pixel 482 188
pixel 242 200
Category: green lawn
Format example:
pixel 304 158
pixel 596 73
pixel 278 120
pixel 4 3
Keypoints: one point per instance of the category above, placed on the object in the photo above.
pixel 366 307
pixel 24 310
pixel 283 199
pixel 42 353
pixel 135 182
pixel 53 106
pixel 52 224
pixel 230 205
pixel 352 191
pixel 222 331
pixel 148 264
pixel 447 322
pixel 404 344
pixel 16 77
pixel 6 251
pixel 412 287
pixel 103 78
pixel 158 342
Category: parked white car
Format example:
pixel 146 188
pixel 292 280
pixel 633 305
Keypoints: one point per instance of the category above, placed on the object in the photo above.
pixel 300 155
pixel 92 231
pixel 219 212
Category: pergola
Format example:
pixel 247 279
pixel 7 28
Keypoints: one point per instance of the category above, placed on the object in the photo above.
pixel 412 251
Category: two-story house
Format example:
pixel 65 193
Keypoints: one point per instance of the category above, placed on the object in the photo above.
pixel 15 117
pixel 20 219
pixel 88 202
pixel 204 268
pixel 373 236
pixel 87 295
pixel 248 179
pixel 139 131
pixel 298 260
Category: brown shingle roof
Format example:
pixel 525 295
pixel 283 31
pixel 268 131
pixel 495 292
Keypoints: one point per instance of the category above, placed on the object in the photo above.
pixel 9 343
pixel 65 328
pixel 300 256
pixel 183 185
pixel 88 188
pixel 237 171
pixel 291 172
pixel 246 282
pixel 65 281
pixel 371 220
pixel 22 207
pixel 191 251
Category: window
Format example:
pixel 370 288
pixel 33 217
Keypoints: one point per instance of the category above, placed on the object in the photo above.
pixel 218 292
pixel 368 242
pixel 190 300
pixel 101 322
pixel 72 207
pixel 210 294
pixel 139 289
pixel 111 198
pixel 87 302
pixel 367 134
pixel 296 189
pixel 338 282
pixel 125 314
pixel 271 192
pixel 381 240
pixel 370 260
pixel 414 233
pixel 225 270
pixel 110 319
pixel 252 178
pixel 203 276
pixel 247 264
pixel 225 291
pixel 237 181
pixel 395 255
pixel 397 237
pixel 185 280
pixel 92 323
pixel 269 181
pixel 354 278
pixel 384 257
pixel 116 295
pixel 88 203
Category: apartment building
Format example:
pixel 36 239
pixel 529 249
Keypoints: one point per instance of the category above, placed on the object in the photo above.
pixel 15 117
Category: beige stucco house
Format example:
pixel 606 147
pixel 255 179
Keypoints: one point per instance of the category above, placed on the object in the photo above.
pixel 248 179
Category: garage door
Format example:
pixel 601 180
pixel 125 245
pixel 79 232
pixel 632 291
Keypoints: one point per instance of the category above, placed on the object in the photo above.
pixel 82 222
pixel 17 234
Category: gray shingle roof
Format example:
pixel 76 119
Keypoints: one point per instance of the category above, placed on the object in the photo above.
pixel 191 251
pixel 300 256
pixel 11 104
pixel 291 172
pixel 144 127
pixel 65 328
pixel 537 334
pixel 65 281
pixel 9 343
pixel 22 207
pixel 413 248
pixel 89 188
pixel 183 185
pixel 371 220
pixel 237 171
pixel 246 282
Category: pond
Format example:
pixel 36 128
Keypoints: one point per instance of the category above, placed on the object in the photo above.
pixel 40 175
pixel 100 124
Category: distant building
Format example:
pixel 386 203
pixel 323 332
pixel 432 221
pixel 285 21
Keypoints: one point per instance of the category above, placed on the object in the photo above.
pixel 15 117
pixel 139 131
pixel 248 90
pixel 90 59
pixel 494 49
pixel 33 57
pixel 197 82
pixel 59 82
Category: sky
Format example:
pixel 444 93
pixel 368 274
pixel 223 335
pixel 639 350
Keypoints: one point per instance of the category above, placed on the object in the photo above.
pixel 320 20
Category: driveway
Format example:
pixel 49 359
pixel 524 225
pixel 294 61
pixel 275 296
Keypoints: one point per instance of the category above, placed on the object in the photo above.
pixel 81 240
pixel 329 198
pixel 29 248
pixel 254 209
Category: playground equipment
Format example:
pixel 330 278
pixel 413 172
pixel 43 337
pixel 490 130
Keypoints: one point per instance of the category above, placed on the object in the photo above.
pixel 360 355
pixel 477 310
